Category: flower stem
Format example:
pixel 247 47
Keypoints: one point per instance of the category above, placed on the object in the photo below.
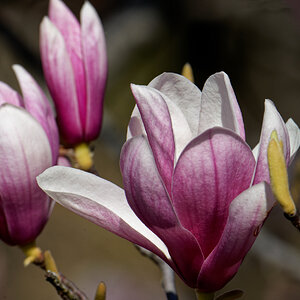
pixel 65 288
pixel 204 296
pixel 33 254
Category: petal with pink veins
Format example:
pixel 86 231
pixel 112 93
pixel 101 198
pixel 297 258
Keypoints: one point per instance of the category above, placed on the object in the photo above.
pixel 147 196
pixel 272 121
pixel 219 106
pixel 69 27
pixel 95 65
pixel 36 103
pixel 101 202
pixel 247 213
pixel 60 79
pixel 24 153
pixel 183 93
pixel 181 131
pixel 157 121
pixel 212 170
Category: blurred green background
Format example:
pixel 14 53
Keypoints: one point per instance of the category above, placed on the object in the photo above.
pixel 256 42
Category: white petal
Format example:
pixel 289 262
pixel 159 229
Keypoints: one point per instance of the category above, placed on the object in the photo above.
pixel 101 202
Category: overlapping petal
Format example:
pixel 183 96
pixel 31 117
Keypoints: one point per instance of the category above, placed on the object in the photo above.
pixel 158 125
pixel 183 93
pixel 150 201
pixel 213 169
pixel 271 121
pixel 219 106
pixel 36 103
pixel 181 131
pixel 95 66
pixel 247 213
pixel 61 81
pixel 67 24
pixel 8 95
pixel 100 201
pixel 24 153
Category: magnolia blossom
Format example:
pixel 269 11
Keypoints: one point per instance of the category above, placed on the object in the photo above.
pixel 195 193
pixel 28 145
pixel 75 67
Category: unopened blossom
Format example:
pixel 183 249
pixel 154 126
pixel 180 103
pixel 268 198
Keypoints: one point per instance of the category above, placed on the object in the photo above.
pixel 194 193
pixel 28 146
pixel 75 67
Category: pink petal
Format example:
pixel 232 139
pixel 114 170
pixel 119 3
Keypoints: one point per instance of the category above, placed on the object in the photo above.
pixel 64 20
pixel 219 106
pixel 294 136
pixel 8 95
pixel 212 170
pixel 60 79
pixel 24 153
pixel 63 161
pixel 183 93
pixel 180 127
pixel 158 125
pixel 149 200
pixel 101 202
pixel 95 64
pixel 247 213
pixel 272 121
pixel 38 106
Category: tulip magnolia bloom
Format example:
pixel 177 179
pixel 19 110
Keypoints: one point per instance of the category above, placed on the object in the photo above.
pixel 196 194
pixel 75 67
pixel 28 145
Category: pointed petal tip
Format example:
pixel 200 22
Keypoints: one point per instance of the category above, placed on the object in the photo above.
pixel 137 89
pixel 88 9
pixel 20 72
pixel 16 67
pixel 47 27
pixel 55 6
pixel 291 122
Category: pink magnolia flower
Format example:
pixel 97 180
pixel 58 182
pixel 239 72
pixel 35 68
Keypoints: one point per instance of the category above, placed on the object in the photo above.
pixel 195 193
pixel 28 145
pixel 75 67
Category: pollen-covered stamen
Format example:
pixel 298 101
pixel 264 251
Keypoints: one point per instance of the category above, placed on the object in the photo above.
pixel 279 176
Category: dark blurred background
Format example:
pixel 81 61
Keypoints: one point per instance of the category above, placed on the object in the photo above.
pixel 256 42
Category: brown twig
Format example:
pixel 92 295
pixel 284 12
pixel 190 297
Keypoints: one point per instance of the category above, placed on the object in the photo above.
pixel 65 288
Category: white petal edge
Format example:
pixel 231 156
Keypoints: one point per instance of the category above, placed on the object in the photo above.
pixel 181 129
pixel 219 106
pixel 65 184
pixel 182 92
pixel 294 135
